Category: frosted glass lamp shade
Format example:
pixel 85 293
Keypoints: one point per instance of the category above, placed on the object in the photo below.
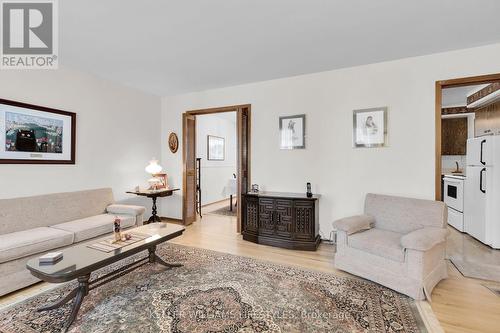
pixel 153 167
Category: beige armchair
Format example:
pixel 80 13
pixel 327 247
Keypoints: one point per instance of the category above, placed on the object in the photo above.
pixel 398 242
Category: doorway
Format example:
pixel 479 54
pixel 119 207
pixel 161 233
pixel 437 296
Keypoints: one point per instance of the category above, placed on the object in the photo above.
pixel 467 130
pixel 189 158
pixel 456 109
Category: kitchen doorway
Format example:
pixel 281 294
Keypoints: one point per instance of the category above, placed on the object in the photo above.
pixel 189 157
pixel 455 111
pixel 467 150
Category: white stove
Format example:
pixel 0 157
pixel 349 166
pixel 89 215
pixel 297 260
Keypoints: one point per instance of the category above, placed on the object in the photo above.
pixel 454 198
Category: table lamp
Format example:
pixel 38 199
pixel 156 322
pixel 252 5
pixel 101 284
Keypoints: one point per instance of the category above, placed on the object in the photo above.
pixel 153 168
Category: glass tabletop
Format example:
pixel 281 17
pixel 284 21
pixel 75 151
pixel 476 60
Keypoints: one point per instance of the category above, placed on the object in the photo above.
pixel 81 259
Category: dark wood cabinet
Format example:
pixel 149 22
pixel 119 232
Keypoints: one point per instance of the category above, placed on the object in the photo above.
pixel 453 136
pixel 288 220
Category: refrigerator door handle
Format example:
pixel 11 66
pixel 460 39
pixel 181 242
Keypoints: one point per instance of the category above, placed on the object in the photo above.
pixel 481 155
pixel 481 180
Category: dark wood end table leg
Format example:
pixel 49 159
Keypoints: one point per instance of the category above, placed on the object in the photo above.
pixel 154 258
pixel 231 203
pixel 154 211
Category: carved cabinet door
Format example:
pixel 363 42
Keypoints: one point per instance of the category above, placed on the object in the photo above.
pixel 266 216
pixel 251 216
pixel 284 217
pixel 304 220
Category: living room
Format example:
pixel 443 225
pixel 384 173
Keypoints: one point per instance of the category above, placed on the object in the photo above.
pixel 340 96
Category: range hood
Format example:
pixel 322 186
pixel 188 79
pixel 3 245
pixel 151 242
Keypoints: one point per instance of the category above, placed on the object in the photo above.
pixel 484 97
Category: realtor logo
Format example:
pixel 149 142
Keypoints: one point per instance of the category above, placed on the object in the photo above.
pixel 29 34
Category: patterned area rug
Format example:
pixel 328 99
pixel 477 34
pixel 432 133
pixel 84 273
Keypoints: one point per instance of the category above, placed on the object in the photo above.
pixel 224 211
pixel 216 292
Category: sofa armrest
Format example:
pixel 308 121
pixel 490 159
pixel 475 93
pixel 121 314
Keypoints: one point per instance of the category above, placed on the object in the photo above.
pixel 353 224
pixel 126 209
pixel 424 239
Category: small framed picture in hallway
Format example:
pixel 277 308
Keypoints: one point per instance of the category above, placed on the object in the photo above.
pixel 293 131
pixel 215 148
pixel 370 128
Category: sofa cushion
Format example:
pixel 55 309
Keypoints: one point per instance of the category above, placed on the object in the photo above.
pixel 20 244
pixel 44 210
pixel 94 226
pixel 379 242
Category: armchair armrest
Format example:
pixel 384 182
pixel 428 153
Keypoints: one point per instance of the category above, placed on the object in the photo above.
pixel 354 224
pixel 126 209
pixel 424 239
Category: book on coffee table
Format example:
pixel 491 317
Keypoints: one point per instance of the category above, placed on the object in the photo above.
pixel 50 258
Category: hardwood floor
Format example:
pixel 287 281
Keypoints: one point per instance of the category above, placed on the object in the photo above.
pixel 459 304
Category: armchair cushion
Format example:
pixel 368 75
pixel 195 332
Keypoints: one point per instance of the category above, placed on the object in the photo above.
pixel 125 209
pixel 354 224
pixel 424 239
pixel 382 243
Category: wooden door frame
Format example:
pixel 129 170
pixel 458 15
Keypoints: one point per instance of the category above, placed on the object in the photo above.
pixel 233 108
pixel 465 81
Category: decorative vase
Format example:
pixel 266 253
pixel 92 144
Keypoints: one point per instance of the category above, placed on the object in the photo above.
pixel 117 229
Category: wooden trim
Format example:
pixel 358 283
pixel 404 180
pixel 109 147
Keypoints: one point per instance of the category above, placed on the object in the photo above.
pixel 249 159
pixel 72 115
pixel 439 95
pixel 184 189
pixel 233 108
pixel 456 110
pixel 239 171
pixel 465 81
pixel 184 166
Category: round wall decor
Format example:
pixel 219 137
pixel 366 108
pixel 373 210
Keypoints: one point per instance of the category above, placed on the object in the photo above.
pixel 173 142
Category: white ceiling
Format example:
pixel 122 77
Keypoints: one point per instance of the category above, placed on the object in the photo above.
pixel 458 96
pixel 169 47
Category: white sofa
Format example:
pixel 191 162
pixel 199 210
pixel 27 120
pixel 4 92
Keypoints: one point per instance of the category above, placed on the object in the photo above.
pixel 397 242
pixel 35 225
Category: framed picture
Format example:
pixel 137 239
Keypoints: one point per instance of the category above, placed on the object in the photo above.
pixel 173 142
pixel 370 127
pixel 162 177
pixel 31 134
pixel 215 148
pixel 293 132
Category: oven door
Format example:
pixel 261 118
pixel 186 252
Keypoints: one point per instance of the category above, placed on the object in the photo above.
pixel 454 193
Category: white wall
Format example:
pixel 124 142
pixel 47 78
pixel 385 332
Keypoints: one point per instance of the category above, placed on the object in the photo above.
pixel 118 132
pixel 215 174
pixel 342 175
pixel 448 163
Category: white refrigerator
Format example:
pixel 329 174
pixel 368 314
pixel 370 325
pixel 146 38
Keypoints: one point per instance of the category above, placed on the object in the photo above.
pixel 482 190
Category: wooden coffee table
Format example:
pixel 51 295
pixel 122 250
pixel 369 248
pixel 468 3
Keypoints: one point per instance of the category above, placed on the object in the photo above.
pixel 80 261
